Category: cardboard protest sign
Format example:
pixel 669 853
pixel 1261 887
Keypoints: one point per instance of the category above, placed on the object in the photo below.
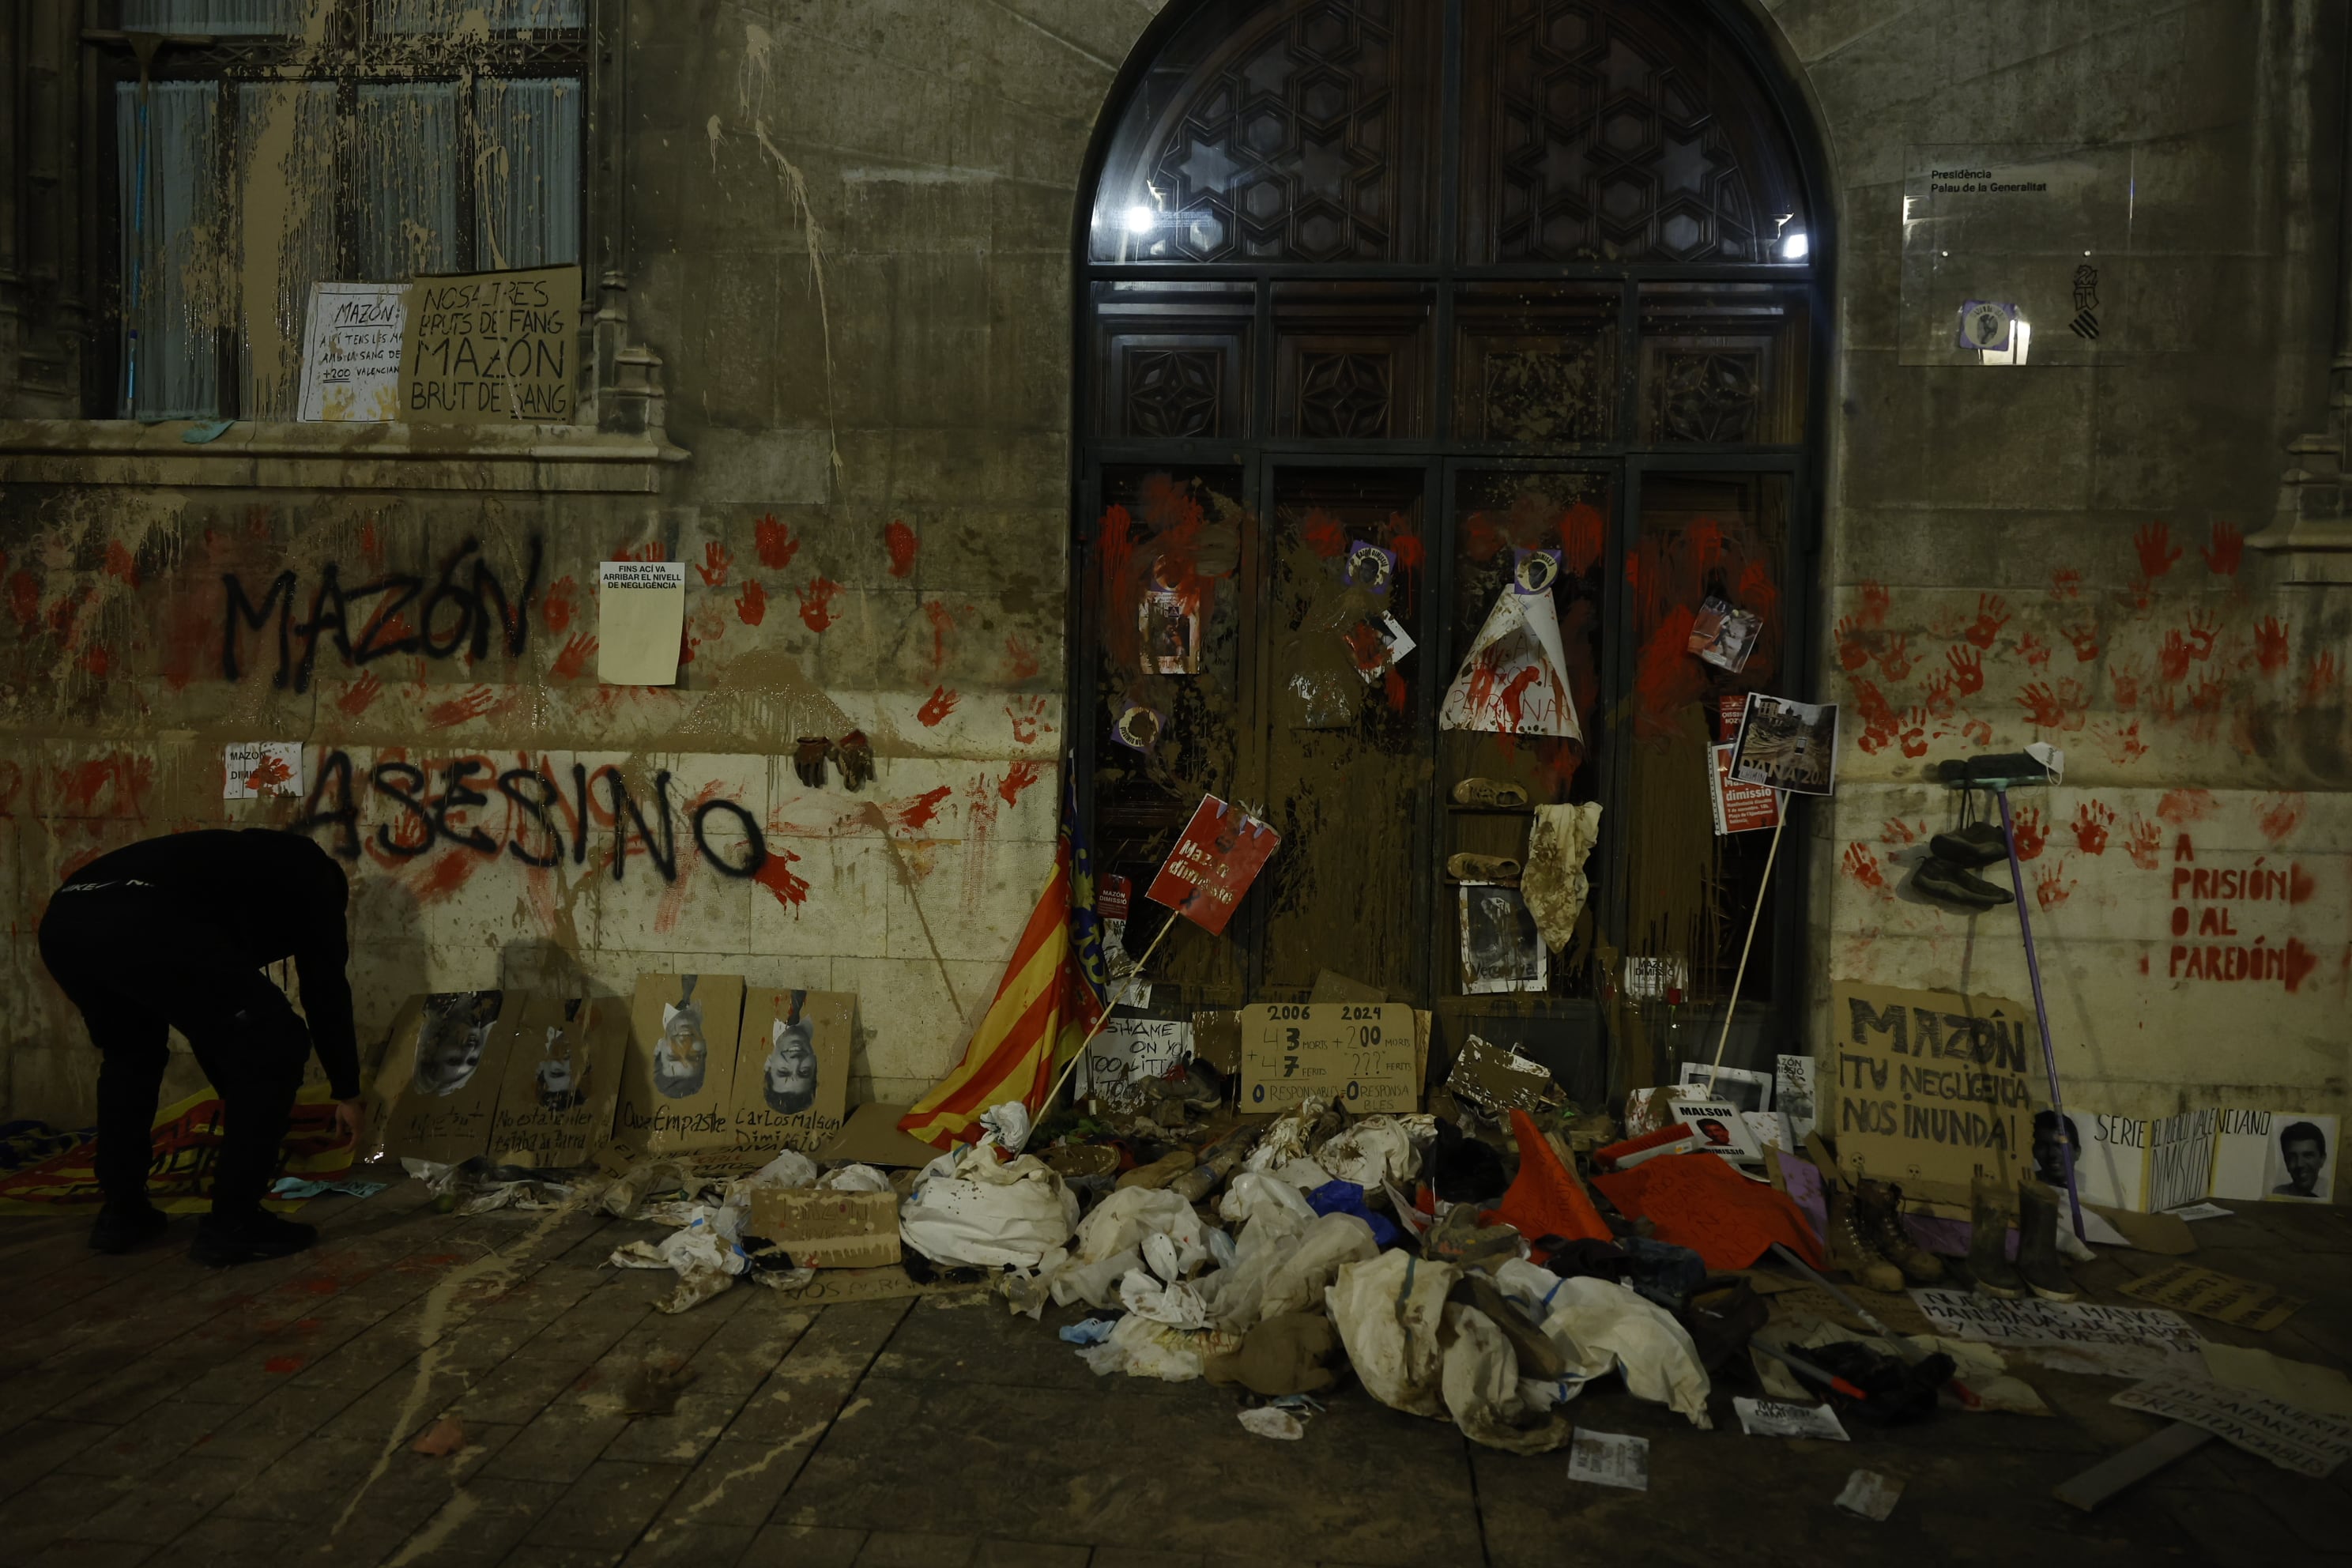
pixel 1129 1052
pixel 2305 1441
pixel 678 1080
pixel 2224 1298
pixel 442 1073
pixel 1792 1091
pixel 1719 1123
pixel 562 1080
pixel 819 1228
pixel 2035 1323
pixel 1357 1054
pixel 640 619
pixel 1932 1087
pixel 1216 860
pixel 1514 680
pixel 791 1071
pixel 1787 745
pixel 1497 1078
pixel 490 347
pixel 351 338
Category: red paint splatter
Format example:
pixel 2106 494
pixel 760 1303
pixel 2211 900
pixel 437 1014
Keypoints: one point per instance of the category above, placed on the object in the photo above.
pixel 1913 736
pixel 1027 719
pixel 574 655
pixel 1854 650
pixel 1940 702
pixel 282 1364
pixel 2269 645
pixel 652 550
pixel 901 542
pixel 774 541
pixel 2183 806
pixel 1895 659
pixel 1992 613
pixel 361 695
pixel 2058 708
pixel 717 561
pixel 2066 583
pixel 2157 551
pixel 752 604
pixel 2322 680
pixel 1968 670
pixel 2204 631
pixel 1325 534
pixel 1482 539
pixel 271 773
pixel 556 609
pixel 122 779
pixel 1021 776
pixel 2300 885
pixel 2052 887
pixel 938 706
pixel 1861 864
pixel 918 812
pixel 24 599
pixel 444 875
pixel 2222 556
pixel 1667 678
pixel 2172 660
pixel 2086 639
pixel 120 564
pixel 1408 547
pixel 1895 830
pixel 2144 843
pixel 458 710
pixel 1878 717
pixel 942 622
pixel 2281 817
pixel 2027 833
pixel 96 660
pixel 2033 649
pixel 1392 687
pixel 1582 531
pixel 2297 964
pixel 816 602
pixel 1875 601
pixel 2091 822
pixel 1021 658
pixel 775 874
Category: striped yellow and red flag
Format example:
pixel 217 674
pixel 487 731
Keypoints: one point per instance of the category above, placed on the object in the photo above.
pixel 1050 996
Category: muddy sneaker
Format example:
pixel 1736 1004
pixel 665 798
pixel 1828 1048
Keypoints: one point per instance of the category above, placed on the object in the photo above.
pixel 1878 1207
pixel 222 1240
pixel 1851 1251
pixel 1978 843
pixel 122 1226
pixel 1468 868
pixel 1989 1243
pixel 1947 884
pixel 1489 791
pixel 2037 1243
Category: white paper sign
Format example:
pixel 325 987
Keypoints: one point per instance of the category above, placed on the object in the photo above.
pixel 640 619
pixel 1870 1495
pixel 1792 1091
pixel 1778 1418
pixel 1514 680
pixel 1610 1459
pixel 1132 1052
pixel 2294 1439
pixel 253 768
pixel 1991 1321
pixel 351 351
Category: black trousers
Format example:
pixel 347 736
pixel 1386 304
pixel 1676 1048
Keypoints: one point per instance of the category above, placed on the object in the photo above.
pixel 138 963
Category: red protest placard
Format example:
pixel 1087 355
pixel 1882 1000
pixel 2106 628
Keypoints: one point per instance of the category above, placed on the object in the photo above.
pixel 1741 807
pixel 1110 896
pixel 1212 864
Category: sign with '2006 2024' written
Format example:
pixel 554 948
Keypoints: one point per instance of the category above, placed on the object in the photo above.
pixel 1357 1054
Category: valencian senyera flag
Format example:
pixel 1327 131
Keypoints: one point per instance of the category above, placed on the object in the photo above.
pixel 1051 995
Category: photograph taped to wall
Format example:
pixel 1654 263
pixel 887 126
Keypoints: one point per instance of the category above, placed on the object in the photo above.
pixel 791 1071
pixel 2302 1168
pixel 678 1082
pixel 1501 949
pixel 443 1072
pixel 563 1079
pixel 1787 745
pixel 1724 635
pixel 1172 633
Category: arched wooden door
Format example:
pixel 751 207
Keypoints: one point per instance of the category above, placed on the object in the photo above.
pixel 1376 299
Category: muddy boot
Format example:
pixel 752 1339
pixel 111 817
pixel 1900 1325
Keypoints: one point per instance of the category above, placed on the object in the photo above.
pixel 2037 1243
pixel 1851 1250
pixel 1878 1209
pixel 1989 1243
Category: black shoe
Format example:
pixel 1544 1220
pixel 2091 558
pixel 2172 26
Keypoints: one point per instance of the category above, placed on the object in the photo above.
pixel 222 1240
pixel 1946 883
pixel 1978 844
pixel 119 1227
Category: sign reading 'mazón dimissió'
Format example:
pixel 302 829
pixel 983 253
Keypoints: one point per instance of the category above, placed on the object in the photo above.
pixel 491 348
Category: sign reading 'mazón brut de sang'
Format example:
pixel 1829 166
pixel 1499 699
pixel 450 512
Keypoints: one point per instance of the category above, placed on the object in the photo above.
pixel 491 348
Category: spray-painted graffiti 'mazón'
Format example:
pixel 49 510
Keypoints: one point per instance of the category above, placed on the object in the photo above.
pixel 457 611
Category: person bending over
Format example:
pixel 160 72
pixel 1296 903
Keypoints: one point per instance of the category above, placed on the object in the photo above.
pixel 172 932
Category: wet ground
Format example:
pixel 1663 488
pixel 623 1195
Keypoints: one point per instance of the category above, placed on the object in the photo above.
pixel 152 1411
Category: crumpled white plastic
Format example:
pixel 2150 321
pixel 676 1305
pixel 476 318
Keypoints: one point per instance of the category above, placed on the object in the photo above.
pixel 1006 1125
pixel 1285 1140
pixel 706 1260
pixel 853 1179
pixel 1480 1383
pixel 1236 1293
pixel 1252 1193
pixel 1376 1149
pixel 1174 1302
pixel 1115 1232
pixel 1266 1421
pixel 1389 1312
pixel 1307 1266
pixel 968 1207
pixel 1598 1328
pixel 1141 1348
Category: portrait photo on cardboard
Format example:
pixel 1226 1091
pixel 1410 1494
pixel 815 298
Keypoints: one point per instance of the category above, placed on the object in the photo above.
pixel 678 1080
pixel 562 1080
pixel 791 1071
pixel 442 1072
pixel 2302 1168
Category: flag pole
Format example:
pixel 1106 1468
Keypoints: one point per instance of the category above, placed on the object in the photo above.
pixel 1104 1017
pixel 1763 888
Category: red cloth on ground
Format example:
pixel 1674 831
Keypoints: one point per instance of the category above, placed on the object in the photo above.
pixel 1699 1201
pixel 1546 1200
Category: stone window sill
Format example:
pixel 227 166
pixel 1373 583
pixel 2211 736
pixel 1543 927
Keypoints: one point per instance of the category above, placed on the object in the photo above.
pixel 261 456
